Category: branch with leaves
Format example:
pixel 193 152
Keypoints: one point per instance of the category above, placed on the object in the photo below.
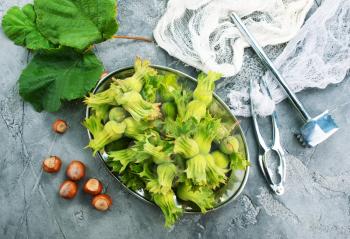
pixel 61 37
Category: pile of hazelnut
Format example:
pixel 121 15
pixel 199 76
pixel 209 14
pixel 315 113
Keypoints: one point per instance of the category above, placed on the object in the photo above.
pixel 76 171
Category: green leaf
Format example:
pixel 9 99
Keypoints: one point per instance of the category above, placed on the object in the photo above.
pixel 52 78
pixel 74 23
pixel 19 25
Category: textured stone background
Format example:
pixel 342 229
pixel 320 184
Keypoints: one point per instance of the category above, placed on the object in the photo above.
pixel 315 205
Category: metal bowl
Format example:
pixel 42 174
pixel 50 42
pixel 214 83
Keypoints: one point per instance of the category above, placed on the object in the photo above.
pixel 236 180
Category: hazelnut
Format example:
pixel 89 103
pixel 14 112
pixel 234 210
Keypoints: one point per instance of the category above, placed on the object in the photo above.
pixel 52 164
pixel 59 126
pixel 93 186
pixel 75 170
pixel 101 202
pixel 68 189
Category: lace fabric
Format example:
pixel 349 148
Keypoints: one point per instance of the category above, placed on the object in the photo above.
pixel 201 34
pixel 318 56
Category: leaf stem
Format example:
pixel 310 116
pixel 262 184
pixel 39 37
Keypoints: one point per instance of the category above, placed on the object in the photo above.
pixel 137 38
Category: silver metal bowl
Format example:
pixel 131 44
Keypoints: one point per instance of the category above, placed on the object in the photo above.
pixel 236 181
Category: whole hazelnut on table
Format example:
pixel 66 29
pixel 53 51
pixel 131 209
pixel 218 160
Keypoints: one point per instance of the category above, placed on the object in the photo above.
pixel 68 189
pixel 52 164
pixel 102 202
pixel 59 126
pixel 75 170
pixel 93 186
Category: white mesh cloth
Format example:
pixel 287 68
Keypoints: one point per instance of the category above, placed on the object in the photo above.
pixel 200 33
pixel 318 56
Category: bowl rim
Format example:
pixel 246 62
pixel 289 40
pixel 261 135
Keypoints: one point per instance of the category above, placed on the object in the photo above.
pixel 165 68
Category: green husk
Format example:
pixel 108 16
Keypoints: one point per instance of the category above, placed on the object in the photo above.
pixel 135 129
pixel 167 204
pixel 168 86
pixel 195 109
pixel 166 173
pixel 203 171
pixel 229 145
pixel 205 87
pixel 93 124
pixel 136 81
pixel 139 109
pixel 238 161
pixel 107 97
pixel 160 153
pixel 117 114
pixel 220 159
pixel 112 131
pixel 203 197
pixel 186 146
pixel 165 148
pixel 206 133
pixel 126 156
pixel 169 110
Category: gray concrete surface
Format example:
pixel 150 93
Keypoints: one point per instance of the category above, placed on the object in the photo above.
pixel 315 205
